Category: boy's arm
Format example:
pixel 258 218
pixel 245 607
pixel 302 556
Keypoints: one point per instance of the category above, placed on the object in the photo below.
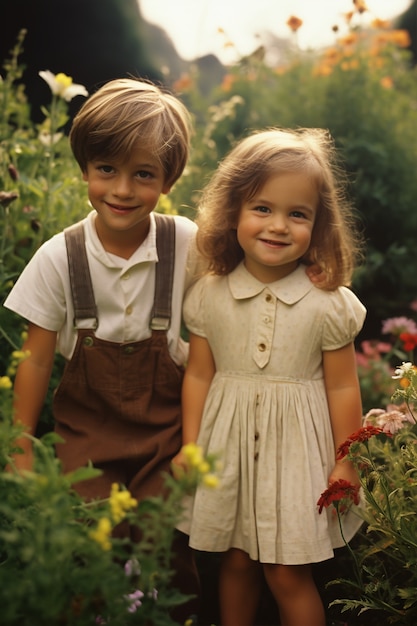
pixel 30 387
pixel 344 400
pixel 197 380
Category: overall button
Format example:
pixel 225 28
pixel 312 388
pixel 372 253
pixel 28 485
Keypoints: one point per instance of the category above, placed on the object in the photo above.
pixel 128 349
pixel 88 341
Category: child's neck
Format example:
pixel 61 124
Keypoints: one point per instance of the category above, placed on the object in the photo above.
pixel 122 243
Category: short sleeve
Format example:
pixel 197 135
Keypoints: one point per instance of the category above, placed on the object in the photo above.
pixel 344 319
pixel 194 307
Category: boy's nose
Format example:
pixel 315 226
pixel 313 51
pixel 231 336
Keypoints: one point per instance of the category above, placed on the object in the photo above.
pixel 123 187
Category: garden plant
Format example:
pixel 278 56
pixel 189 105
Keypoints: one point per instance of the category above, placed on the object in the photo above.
pixel 69 567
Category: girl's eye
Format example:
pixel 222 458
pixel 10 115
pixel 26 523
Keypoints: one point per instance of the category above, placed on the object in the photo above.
pixel 298 214
pixel 262 209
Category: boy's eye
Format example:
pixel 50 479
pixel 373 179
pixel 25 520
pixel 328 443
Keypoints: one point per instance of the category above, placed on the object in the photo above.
pixel 107 169
pixel 144 174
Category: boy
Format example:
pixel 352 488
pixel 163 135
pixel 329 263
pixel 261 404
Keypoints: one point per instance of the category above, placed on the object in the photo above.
pixel 107 292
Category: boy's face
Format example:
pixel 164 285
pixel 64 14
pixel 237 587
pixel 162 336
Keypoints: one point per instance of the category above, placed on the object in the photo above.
pixel 125 191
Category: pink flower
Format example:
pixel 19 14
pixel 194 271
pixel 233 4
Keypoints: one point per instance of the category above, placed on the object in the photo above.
pixel 398 325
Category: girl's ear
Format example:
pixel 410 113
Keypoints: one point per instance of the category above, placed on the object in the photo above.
pixel 85 175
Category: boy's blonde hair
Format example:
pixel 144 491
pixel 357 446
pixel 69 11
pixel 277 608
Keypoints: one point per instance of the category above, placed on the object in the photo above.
pixel 126 113
pixel 334 242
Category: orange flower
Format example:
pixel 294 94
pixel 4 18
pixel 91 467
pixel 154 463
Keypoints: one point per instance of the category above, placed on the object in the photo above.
pixel 348 16
pixel 404 383
pixel 322 70
pixel 227 82
pixel 380 24
pixel 184 83
pixel 349 40
pixel 294 23
pixel 401 38
pixel 360 6
pixel 387 82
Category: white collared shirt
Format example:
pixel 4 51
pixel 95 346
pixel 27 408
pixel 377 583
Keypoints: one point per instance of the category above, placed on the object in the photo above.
pixel 123 288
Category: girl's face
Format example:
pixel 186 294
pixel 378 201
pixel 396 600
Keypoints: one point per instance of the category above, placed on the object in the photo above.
pixel 275 226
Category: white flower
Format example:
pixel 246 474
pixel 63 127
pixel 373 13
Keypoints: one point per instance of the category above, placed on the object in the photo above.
pixel 61 85
pixel 401 372
pixel 49 140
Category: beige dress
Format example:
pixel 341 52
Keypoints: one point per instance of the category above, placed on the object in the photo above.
pixel 266 415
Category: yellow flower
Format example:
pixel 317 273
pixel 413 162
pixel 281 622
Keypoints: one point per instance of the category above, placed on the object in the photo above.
pixel 193 454
pixel 5 382
pixel 102 533
pixel 61 85
pixel 120 503
pixel 204 467
pixel 211 481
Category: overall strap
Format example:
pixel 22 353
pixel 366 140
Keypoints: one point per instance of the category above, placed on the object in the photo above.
pixel 164 273
pixel 80 278
pixel 79 273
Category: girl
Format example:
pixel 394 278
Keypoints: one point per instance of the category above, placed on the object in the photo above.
pixel 271 383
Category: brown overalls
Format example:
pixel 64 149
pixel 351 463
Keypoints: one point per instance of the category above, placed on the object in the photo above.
pixel 118 405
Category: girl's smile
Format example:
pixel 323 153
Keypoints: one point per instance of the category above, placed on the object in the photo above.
pixel 275 226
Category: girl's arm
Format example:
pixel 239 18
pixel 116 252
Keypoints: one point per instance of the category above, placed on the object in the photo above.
pixel 345 406
pixel 197 380
pixel 31 386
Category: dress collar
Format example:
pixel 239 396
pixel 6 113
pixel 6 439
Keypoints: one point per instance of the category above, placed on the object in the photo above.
pixel 289 289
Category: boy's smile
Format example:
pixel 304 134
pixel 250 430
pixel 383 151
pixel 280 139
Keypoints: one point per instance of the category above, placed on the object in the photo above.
pixel 124 193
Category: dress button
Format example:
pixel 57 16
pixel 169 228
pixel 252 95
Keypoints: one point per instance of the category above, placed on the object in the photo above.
pixel 129 310
pixel 268 297
pixel 256 436
pixel 126 276
pixel 88 341
pixel 256 457
pixel 261 347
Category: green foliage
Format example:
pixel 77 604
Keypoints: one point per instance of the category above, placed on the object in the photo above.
pixel 385 559
pixel 60 564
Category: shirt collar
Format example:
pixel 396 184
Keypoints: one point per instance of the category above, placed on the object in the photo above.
pixel 145 253
pixel 289 289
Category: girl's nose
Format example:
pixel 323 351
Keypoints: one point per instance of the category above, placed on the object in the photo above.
pixel 278 223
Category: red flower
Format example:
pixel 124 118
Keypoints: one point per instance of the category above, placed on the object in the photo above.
pixel 361 435
pixel 340 490
pixel 409 340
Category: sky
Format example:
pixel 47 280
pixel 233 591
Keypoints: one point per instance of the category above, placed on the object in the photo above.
pixel 193 25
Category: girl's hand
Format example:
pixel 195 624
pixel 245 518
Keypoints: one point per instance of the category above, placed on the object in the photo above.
pixel 344 470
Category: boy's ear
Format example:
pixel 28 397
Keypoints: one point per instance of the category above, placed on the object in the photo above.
pixel 85 175
pixel 166 188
